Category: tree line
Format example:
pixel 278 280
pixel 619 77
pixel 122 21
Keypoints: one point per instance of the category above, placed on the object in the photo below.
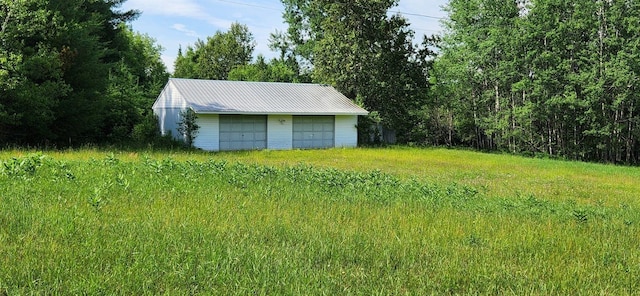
pixel 549 77
pixel 537 77
pixel 72 72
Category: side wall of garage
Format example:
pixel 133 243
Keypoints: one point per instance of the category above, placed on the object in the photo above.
pixel 168 121
pixel 346 131
pixel 208 137
pixel 167 108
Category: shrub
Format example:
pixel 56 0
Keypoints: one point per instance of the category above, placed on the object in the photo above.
pixel 188 126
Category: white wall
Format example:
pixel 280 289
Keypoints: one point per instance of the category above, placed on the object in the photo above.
pixel 279 132
pixel 170 97
pixel 346 132
pixel 168 119
pixel 208 137
pixel 167 107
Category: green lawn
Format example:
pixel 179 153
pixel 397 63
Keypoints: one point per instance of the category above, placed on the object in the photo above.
pixel 339 221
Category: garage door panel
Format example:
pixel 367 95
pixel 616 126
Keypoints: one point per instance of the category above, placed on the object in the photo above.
pixel 243 132
pixel 235 137
pixel 236 127
pixel 313 132
pixel 261 136
pixel 307 135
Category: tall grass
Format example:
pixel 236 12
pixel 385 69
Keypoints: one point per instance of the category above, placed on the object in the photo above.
pixel 499 174
pixel 106 223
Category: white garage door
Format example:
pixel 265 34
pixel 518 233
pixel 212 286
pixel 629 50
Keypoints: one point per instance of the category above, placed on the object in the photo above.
pixel 313 132
pixel 243 132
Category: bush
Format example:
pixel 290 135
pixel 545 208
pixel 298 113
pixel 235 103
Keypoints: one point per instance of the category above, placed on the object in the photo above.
pixel 187 126
pixel 147 133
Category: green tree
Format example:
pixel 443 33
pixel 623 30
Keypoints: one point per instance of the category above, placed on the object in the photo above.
pixel 134 83
pixel 188 127
pixel 274 71
pixel 362 51
pixel 185 64
pixel 216 57
pixel 31 74
pixel 542 76
pixel 93 50
pixel 55 61
pixel 483 55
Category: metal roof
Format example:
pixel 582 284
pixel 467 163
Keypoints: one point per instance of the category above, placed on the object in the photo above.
pixel 242 97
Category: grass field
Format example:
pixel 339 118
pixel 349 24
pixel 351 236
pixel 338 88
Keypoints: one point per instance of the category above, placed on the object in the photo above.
pixel 340 221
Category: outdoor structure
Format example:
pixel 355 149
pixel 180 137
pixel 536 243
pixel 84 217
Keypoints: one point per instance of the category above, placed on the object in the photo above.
pixel 240 115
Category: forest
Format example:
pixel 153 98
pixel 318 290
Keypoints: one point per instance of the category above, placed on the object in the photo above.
pixel 551 78
pixel 72 72
pixel 547 77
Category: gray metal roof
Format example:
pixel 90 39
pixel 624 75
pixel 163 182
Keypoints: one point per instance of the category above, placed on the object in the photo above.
pixel 241 97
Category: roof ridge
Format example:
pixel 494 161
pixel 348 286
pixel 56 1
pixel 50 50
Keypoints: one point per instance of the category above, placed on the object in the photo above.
pixel 240 81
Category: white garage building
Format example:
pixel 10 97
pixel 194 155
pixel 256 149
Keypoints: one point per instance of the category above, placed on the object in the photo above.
pixel 239 115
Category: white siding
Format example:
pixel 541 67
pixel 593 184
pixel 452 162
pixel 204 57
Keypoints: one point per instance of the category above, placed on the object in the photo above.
pixel 169 118
pixel 279 132
pixel 167 107
pixel 346 132
pixel 170 97
pixel 208 137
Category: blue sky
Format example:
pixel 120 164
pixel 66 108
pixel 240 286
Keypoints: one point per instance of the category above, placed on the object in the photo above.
pixel 181 22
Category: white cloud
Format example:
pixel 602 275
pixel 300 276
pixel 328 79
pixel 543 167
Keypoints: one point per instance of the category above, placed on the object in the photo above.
pixel 182 28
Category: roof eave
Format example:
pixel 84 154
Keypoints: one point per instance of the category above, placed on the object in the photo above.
pixel 280 113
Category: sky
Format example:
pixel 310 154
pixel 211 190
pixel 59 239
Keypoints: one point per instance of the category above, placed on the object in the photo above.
pixel 175 23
